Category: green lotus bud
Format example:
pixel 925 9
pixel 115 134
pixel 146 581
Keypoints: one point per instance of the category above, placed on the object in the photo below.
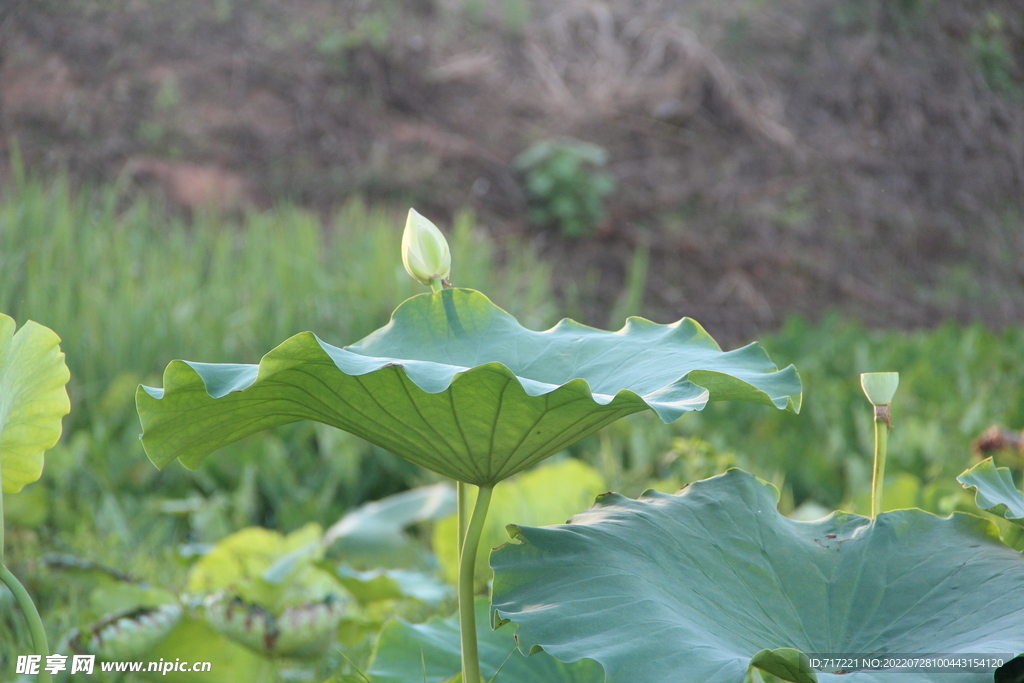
pixel 425 251
pixel 880 387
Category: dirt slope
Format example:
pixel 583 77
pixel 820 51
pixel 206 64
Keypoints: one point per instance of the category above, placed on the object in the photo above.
pixel 796 155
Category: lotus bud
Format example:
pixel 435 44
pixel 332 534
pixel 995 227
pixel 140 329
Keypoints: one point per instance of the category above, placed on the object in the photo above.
pixel 880 387
pixel 425 251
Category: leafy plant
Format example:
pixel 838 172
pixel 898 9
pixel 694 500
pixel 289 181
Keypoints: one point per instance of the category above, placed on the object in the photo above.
pixel 995 490
pixel 564 184
pixel 430 652
pixel 764 593
pixel 992 55
pixel 258 600
pixel 696 586
pixel 457 385
pixel 33 401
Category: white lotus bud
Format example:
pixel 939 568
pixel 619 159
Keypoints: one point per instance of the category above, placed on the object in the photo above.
pixel 425 251
pixel 880 387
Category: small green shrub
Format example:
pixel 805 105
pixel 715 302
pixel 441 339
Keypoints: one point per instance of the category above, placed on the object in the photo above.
pixel 564 184
pixel 993 57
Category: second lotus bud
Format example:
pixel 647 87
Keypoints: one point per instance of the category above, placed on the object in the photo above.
pixel 880 387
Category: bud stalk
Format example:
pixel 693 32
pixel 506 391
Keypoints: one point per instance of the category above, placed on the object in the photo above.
pixel 880 387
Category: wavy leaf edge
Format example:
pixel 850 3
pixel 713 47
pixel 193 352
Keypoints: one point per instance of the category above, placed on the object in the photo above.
pixel 669 401
pixel 798 670
pixel 1001 496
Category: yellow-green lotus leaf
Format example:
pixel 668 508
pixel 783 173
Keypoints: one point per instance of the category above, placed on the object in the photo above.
pixel 32 400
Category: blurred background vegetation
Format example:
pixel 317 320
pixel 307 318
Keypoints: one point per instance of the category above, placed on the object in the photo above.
pixel 841 180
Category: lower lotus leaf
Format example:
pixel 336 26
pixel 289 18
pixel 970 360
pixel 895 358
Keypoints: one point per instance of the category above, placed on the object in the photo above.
pixel 411 653
pixel 995 489
pixel 193 642
pixel 389 584
pixel 693 586
pixel 265 567
pixel 110 597
pixel 786 663
pixel 373 534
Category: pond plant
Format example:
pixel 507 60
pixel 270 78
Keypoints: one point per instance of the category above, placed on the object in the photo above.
pixel 713 584
pixel 457 385
pixel 33 400
pixel 709 584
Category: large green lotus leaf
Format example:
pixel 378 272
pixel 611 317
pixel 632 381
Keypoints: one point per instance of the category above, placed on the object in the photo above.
pixel 457 385
pixel 995 490
pixel 690 587
pixel 32 400
pixel 429 652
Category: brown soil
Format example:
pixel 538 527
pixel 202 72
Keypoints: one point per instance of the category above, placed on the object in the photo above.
pixel 792 156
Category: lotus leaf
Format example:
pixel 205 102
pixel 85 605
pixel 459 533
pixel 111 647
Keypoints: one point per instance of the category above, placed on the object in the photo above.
pixel 267 568
pixel 995 490
pixel 32 400
pixel 693 586
pixel 457 385
pixel 430 652
pixel 373 534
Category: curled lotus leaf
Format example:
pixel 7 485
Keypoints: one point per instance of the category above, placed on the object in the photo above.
pixel 700 585
pixel 127 634
pixel 995 490
pixel 457 385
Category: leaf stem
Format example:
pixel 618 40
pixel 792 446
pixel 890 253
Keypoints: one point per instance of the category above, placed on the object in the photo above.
pixel 462 505
pixel 24 600
pixel 467 587
pixel 882 425
pixel 35 624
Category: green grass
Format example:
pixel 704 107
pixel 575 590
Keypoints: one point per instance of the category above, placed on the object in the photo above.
pixel 954 382
pixel 131 287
